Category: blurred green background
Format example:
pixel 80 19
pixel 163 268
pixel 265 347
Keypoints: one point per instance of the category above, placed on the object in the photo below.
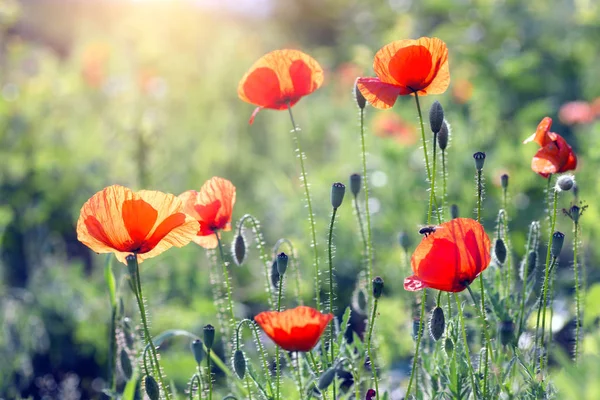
pixel 144 94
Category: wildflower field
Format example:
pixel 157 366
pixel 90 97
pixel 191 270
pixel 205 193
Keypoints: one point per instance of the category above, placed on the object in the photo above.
pixel 298 199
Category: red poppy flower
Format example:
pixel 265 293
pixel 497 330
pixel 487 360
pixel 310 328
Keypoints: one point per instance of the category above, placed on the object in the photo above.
pixel 117 220
pixel 279 79
pixel 298 329
pixel 212 207
pixel 555 154
pixel 450 258
pixel 404 67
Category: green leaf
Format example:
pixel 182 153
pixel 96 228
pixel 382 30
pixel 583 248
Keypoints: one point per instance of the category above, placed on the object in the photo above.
pixel 110 281
pixel 130 388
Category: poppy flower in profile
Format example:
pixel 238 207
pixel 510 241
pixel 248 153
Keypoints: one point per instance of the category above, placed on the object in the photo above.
pixel 279 79
pixel 118 220
pixel 212 207
pixel 576 112
pixel 297 329
pixel 405 67
pixel 555 154
pixel 450 257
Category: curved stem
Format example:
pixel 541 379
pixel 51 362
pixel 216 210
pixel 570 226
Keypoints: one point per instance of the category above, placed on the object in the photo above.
pixel 369 243
pixel 261 350
pixel 311 216
pixel 419 335
pixel 226 277
pixel 331 293
pixel 466 345
pixel 369 351
pixel 198 378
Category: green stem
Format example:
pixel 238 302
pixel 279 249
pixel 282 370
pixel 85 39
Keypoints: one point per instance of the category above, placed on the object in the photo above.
pixel 577 298
pixel 432 199
pixel 531 243
pixel 148 338
pixel 261 350
pixel 479 195
pixel 419 335
pixel 277 357
pixel 444 184
pixel 360 225
pixel 226 278
pixel 424 141
pixel 331 293
pixel 299 369
pixel 292 255
pixel 369 243
pixel 369 351
pixel 466 345
pixel 209 373
pixel 485 328
pixel 198 378
pixel 112 362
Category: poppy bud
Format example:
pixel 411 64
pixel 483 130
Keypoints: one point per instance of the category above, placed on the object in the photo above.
pixel 558 238
pixel 443 136
pixel 282 262
pixel 355 182
pixel 125 364
pixel 500 251
pixel 449 346
pixel 377 287
pixel 454 211
pixel 239 363
pixel 152 389
pixel 437 323
pixel 404 240
pixel 209 336
pixel 479 160
pixel 436 116
pixel 565 182
pixel 504 181
pixel 507 331
pixel 239 249
pixel 358 96
pixel 131 264
pixel 529 265
pixel 326 378
pixel 337 194
pixel 274 274
pixel 198 351
pixel 575 212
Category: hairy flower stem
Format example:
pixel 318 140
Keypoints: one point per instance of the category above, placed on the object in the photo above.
pixel 277 356
pixel 577 296
pixel 419 335
pixel 426 156
pixel 227 283
pixel 444 185
pixel 531 244
pixel 311 216
pixel 209 374
pixel 547 267
pixel 539 339
pixel 292 253
pixel 261 350
pixel 368 241
pixel 361 227
pixel 331 293
pixel 370 351
pixel 148 339
pixel 463 329
pixel 198 379
pixel 432 199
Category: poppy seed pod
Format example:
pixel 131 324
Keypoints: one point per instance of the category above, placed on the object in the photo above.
pixel 125 364
pixel 274 274
pixel 132 264
pixel 198 351
pixel 507 331
pixel 239 249
pixel 454 211
pixel 326 378
pixel 479 160
pixel 282 263
pixel 558 238
pixel 504 181
pixel 377 287
pixel 436 116
pixel 565 182
pixel 500 250
pixel 361 102
pixel 449 346
pixel 209 336
pixel 239 363
pixel 355 182
pixel 575 212
pixel 337 194
pixel 152 389
pixel 443 136
pixel 437 323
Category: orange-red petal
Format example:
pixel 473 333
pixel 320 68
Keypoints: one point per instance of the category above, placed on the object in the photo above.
pixel 556 156
pixel 379 94
pixel 297 329
pixel 280 78
pixel 541 133
pixel 451 257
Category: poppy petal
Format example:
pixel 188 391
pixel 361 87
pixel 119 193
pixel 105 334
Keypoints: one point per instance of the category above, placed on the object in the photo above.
pixel 379 94
pixel 547 160
pixel 262 87
pixel 413 284
pixel 541 133
pixel 254 113
pixel 223 191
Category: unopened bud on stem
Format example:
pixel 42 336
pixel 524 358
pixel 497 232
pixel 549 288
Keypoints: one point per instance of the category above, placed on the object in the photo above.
pixel 337 194
pixel 436 116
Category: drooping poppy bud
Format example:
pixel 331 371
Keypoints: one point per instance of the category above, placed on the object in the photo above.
pixel 282 263
pixel 558 238
pixel 125 364
pixel 326 378
pixel 198 351
pixel 443 136
pixel 528 265
pixel 152 389
pixel 436 116
pixel 355 183
pixel 500 251
pixel 504 181
pixel 239 249
pixel 358 96
pixel 239 363
pixel 437 323
pixel 377 287
pixel 454 211
pixel 274 274
pixel 337 194
pixel 565 182
pixel 209 336
pixel 479 160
